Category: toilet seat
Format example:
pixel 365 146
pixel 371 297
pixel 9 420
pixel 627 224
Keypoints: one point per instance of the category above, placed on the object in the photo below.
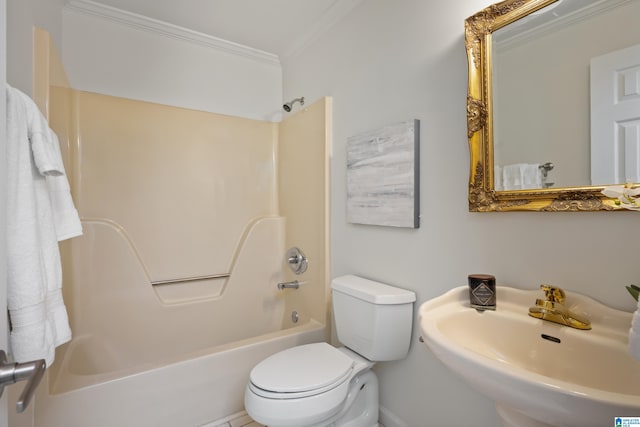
pixel 301 371
pixel 303 385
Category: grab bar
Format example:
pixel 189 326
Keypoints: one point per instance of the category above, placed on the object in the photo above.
pixel 191 279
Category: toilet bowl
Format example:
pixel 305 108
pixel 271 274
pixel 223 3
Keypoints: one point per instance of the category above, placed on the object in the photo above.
pixel 318 385
pixel 312 385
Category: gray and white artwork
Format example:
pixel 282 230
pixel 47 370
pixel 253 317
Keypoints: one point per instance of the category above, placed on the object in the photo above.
pixel 383 176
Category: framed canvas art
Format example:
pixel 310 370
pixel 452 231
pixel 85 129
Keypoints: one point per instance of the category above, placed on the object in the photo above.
pixel 383 176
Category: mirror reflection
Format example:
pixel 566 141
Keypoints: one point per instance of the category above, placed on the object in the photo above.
pixel 553 103
pixel 566 96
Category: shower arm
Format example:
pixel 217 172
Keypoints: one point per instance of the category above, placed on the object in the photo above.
pixel 289 105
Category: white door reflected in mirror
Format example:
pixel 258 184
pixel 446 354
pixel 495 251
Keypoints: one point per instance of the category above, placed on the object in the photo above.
pixel 615 117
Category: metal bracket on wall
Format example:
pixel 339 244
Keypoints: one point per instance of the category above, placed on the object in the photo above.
pixel 31 372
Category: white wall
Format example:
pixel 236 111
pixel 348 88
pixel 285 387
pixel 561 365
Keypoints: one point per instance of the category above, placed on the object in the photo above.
pixel 115 53
pixel 390 61
pixel 23 16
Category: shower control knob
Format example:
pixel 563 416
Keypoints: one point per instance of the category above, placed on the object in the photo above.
pixel 297 260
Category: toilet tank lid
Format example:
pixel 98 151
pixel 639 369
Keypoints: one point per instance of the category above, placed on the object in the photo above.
pixel 371 291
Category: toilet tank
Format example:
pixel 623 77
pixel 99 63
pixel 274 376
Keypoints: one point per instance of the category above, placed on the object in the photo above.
pixel 373 319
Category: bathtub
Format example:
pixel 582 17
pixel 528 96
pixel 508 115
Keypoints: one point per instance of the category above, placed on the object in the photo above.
pixel 142 356
pixel 192 391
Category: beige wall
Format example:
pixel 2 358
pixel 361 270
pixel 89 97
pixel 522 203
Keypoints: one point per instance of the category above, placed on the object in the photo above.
pixel 180 223
pixel 304 152
pixel 185 185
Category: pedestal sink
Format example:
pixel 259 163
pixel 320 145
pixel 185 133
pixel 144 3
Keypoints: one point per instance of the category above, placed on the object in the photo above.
pixel 539 373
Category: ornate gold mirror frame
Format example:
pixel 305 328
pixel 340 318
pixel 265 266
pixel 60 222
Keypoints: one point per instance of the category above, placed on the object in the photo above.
pixel 482 196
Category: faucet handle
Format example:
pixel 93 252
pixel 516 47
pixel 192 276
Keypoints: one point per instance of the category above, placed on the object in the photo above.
pixel 553 293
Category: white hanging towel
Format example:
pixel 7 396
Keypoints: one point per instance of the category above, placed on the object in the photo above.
pixel 634 334
pixel 37 201
pixel 65 215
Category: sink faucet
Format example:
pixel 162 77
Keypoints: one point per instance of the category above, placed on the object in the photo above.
pixel 552 308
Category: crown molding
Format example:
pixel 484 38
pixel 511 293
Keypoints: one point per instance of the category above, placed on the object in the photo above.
pixel 520 36
pixel 166 29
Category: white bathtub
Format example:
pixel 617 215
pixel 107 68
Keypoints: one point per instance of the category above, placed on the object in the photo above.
pixel 198 389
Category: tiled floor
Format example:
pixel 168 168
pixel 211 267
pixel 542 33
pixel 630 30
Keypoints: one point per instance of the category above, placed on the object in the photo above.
pixel 244 421
pixel 241 420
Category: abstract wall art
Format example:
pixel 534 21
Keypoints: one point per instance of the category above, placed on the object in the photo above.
pixel 383 176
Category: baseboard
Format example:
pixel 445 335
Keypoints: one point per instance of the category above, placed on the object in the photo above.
pixel 386 419
pixel 226 421
pixel 389 419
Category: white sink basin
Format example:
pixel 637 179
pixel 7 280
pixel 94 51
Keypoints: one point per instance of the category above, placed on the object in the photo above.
pixel 539 373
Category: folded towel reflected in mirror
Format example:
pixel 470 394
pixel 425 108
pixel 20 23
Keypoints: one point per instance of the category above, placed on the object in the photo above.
pixel 518 176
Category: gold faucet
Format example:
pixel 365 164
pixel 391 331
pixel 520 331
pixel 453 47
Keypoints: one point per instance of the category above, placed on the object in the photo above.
pixel 552 309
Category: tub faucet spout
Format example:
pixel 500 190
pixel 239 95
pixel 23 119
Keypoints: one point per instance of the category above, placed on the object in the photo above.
pixel 289 285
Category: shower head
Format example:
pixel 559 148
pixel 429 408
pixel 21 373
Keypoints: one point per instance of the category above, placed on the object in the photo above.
pixel 287 107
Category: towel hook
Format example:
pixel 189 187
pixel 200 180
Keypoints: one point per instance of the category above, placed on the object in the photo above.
pixel 545 168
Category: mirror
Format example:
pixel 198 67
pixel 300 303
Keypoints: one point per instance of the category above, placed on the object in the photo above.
pixel 534 121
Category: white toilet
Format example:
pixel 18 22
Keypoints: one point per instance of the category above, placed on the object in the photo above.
pixel 317 385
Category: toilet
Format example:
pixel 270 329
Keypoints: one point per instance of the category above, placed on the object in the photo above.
pixel 318 385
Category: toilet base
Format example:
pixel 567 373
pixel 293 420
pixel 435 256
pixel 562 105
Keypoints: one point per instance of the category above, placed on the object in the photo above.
pixel 361 405
pixel 359 408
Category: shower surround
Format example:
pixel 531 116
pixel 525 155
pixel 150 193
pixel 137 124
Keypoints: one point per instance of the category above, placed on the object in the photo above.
pixel 172 290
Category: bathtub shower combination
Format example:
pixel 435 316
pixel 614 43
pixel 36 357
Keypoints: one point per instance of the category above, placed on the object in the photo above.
pixel 172 290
